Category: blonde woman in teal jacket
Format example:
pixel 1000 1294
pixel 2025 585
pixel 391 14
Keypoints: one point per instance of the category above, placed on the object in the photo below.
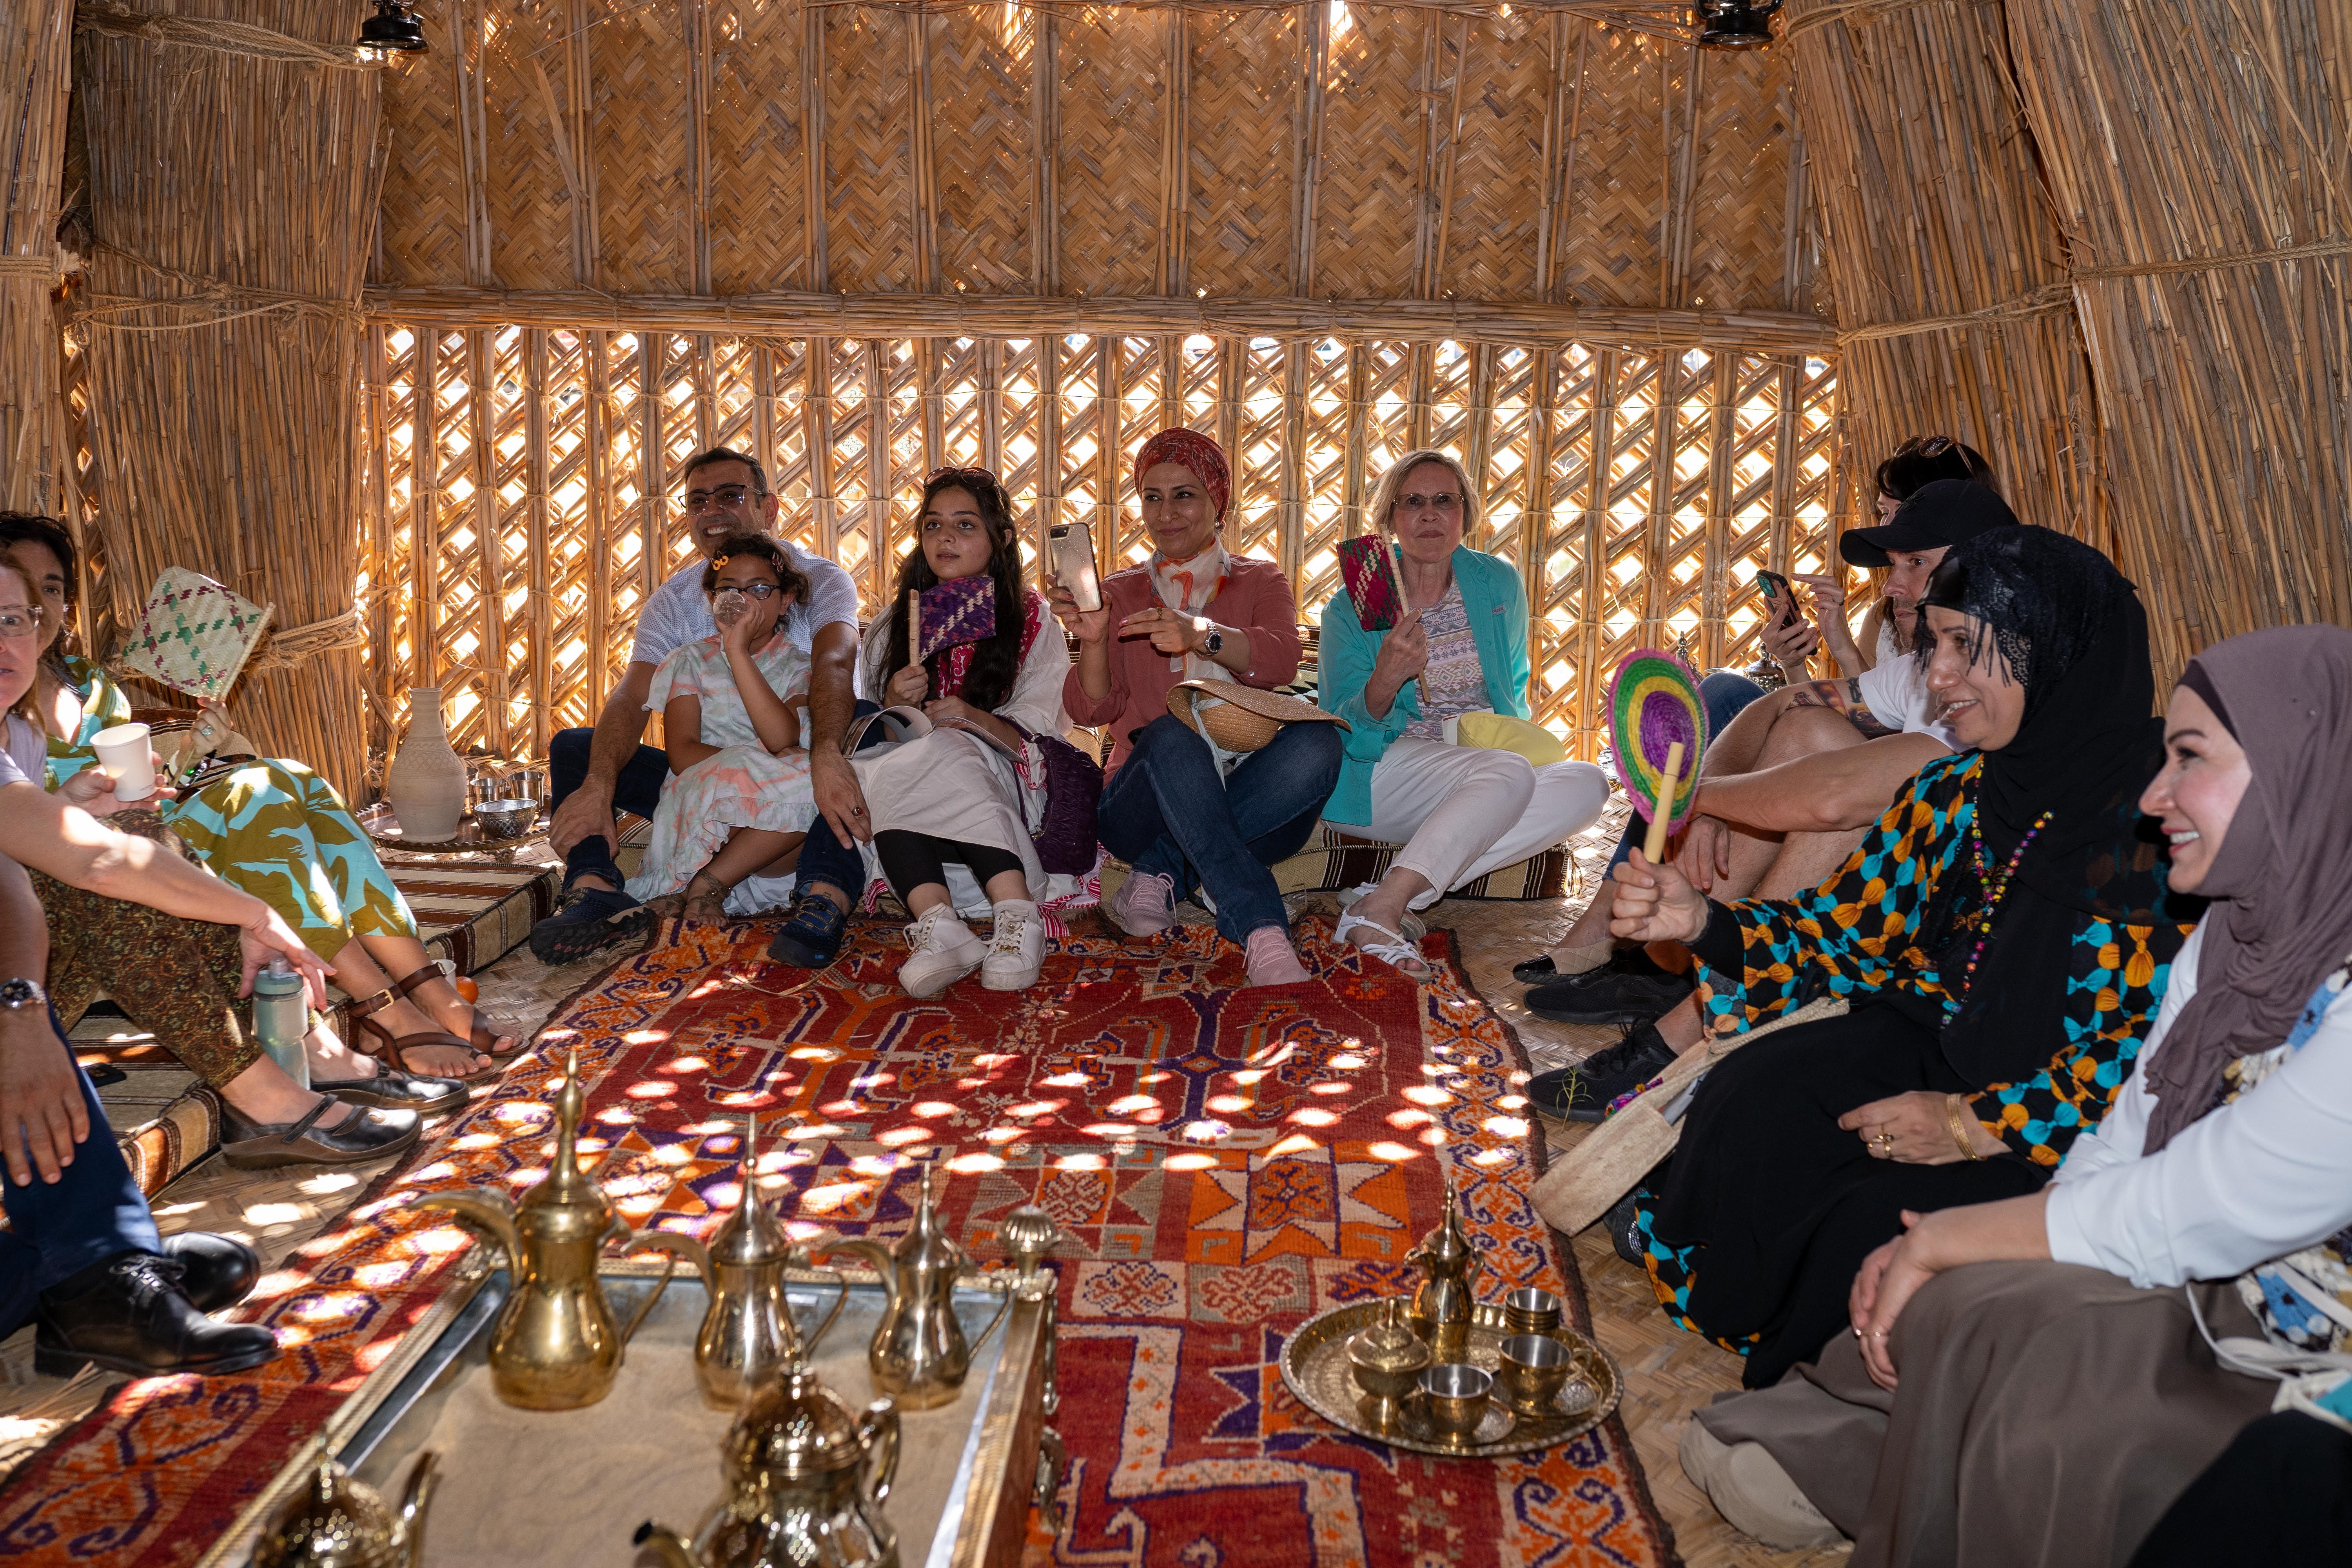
pixel 1461 648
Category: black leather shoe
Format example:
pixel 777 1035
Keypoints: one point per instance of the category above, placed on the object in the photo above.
pixel 1583 1092
pixel 392 1089
pixel 361 1136
pixel 215 1271
pixel 128 1313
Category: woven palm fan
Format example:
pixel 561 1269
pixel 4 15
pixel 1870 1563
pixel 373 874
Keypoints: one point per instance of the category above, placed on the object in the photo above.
pixel 193 635
pixel 1655 706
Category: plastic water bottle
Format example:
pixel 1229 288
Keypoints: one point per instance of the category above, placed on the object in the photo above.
pixel 281 1016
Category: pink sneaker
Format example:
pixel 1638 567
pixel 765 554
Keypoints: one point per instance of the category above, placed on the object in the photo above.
pixel 1144 905
pixel 1272 961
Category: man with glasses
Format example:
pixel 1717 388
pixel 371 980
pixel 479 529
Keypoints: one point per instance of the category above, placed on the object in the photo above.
pixel 591 773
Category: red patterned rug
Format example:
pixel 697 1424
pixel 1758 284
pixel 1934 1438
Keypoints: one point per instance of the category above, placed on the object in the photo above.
pixel 1230 1161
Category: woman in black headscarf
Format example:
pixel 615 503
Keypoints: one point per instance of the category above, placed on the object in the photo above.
pixel 2002 940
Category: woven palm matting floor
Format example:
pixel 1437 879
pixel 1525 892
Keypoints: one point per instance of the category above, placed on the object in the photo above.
pixel 1229 1161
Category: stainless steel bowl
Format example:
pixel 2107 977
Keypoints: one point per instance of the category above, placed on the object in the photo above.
pixel 506 818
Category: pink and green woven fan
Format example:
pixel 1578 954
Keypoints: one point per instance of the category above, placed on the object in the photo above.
pixel 1653 702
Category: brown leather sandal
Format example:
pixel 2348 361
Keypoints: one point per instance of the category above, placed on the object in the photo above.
pixel 371 1038
pixel 481 1038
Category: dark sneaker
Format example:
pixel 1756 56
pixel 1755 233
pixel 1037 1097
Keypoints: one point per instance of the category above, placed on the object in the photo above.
pixel 1611 994
pixel 1623 1222
pixel 811 935
pixel 130 1314
pixel 1583 1092
pixel 591 920
pixel 1540 970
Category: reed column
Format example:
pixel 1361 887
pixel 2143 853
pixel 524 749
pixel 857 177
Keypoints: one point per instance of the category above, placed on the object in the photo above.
pixel 1947 270
pixel 36 37
pixel 2199 155
pixel 233 191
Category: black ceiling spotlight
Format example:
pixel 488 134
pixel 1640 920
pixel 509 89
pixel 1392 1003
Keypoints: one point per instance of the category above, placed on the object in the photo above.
pixel 393 32
pixel 1734 24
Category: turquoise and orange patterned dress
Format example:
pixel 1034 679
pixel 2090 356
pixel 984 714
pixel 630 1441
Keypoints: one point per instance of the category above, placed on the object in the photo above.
pixel 272 828
pixel 1862 937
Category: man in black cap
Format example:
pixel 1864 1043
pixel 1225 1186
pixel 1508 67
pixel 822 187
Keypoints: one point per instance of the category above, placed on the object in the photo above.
pixel 1785 793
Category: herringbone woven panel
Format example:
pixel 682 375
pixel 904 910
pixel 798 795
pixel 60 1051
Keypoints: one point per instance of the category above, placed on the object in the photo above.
pixel 758 178
pixel 868 152
pixel 1368 207
pixel 1496 186
pixel 1239 149
pixel 1113 72
pixel 642 124
pixel 1617 199
pixel 984 145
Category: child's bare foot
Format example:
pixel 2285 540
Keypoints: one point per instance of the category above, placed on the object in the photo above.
pixel 706 898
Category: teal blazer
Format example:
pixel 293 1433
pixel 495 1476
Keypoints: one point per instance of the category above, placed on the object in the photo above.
pixel 1497 602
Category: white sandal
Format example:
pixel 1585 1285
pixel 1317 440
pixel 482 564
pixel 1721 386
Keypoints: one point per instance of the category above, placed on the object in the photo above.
pixel 1393 951
pixel 1413 926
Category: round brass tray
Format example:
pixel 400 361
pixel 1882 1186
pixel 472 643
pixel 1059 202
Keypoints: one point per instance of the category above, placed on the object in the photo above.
pixel 1315 1366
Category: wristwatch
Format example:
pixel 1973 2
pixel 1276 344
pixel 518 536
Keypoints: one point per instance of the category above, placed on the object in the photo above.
pixel 1216 643
pixel 17 994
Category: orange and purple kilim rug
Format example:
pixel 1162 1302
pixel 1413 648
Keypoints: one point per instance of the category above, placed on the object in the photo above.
pixel 1229 1161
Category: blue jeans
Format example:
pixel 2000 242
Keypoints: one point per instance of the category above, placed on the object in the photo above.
pixel 1166 811
pixel 1725 694
pixel 823 857
pixel 638 791
pixel 93 1211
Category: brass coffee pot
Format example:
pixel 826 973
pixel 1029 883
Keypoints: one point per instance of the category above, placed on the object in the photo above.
pixel 806 1479
pixel 556 1345
pixel 1442 1303
pixel 1387 1362
pixel 919 1356
pixel 747 1335
pixel 336 1521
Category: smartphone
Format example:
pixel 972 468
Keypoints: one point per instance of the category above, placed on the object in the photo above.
pixel 1369 570
pixel 1073 547
pixel 1775 586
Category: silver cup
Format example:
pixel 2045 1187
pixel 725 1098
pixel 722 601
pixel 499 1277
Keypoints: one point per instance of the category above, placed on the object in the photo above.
pixel 1456 1395
pixel 1533 1368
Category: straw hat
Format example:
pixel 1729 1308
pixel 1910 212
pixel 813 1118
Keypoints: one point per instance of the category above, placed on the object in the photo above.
pixel 1237 718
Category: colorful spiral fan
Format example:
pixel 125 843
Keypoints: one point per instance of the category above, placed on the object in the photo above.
pixel 1653 702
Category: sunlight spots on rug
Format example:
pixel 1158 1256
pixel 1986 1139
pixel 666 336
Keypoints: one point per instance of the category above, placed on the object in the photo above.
pixel 1313 1116
pixel 272 1214
pixel 1206 1132
pixel 1491 1157
pixel 1089 1162
pixel 1348 1061
pixel 1230 1103
pixel 328 1182
pixel 975 1164
pixel 803 1134
pixel 896 1136
pixel 1395 1153
pixel 834 1195
pixel 1045 1107
pixel 1505 1126
pixel 686 1064
pixel 645 1037
pixel 650 1088
pixel 1003 1134
pixel 1191 1162
pixel 1296 1144
pixel 1400 1119
pixel 1060 1080
pixel 1329 1088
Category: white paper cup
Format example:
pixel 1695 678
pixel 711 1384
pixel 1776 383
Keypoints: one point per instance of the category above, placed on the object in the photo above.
pixel 128 755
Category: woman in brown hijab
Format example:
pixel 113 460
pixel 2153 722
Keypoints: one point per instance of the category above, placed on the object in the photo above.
pixel 2027 1382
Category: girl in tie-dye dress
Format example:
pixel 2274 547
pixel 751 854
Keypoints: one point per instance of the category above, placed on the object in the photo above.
pixel 273 828
pixel 733 705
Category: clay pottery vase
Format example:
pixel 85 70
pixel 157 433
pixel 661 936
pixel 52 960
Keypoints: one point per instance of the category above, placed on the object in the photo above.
pixel 427 781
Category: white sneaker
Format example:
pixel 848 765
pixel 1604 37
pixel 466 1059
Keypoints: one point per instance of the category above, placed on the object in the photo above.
pixel 940 951
pixel 1016 953
pixel 1752 1492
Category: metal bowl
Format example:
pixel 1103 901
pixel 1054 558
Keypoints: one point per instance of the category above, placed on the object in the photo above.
pixel 506 818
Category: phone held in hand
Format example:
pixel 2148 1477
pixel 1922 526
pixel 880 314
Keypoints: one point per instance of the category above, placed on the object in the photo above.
pixel 1782 598
pixel 1368 568
pixel 1073 544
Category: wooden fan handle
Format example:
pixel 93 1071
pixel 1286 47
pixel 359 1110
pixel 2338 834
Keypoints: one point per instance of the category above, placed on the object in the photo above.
pixel 1654 847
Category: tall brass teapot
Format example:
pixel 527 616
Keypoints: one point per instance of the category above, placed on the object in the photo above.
pixel 919 1356
pixel 806 1479
pixel 1442 1304
pixel 748 1336
pixel 556 1345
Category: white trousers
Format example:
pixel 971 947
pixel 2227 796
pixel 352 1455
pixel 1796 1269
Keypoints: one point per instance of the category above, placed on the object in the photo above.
pixel 1461 812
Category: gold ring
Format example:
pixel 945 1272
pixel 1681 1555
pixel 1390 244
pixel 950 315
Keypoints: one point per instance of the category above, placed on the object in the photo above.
pixel 1886 1140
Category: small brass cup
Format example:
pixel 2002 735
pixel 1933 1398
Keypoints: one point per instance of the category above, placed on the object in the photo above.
pixel 1528 1310
pixel 1456 1395
pixel 1533 1368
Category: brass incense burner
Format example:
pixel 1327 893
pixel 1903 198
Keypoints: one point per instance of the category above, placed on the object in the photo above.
pixel 748 1336
pixel 336 1521
pixel 918 1355
pixel 806 1479
pixel 557 1345
pixel 1443 1304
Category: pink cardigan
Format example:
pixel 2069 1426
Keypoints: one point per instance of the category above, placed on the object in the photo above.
pixel 1256 598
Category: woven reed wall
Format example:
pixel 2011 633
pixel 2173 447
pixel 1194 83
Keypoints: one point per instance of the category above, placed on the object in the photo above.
pixel 1945 264
pixel 35 38
pixel 2186 147
pixel 232 195
pixel 529 493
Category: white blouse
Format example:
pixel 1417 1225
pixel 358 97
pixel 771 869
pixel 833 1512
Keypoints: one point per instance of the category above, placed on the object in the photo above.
pixel 2266 1175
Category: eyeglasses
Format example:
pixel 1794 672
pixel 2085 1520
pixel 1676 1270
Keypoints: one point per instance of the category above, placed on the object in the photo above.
pixel 22 620
pixel 1443 500
pixel 726 497
pixel 757 590
pixel 979 474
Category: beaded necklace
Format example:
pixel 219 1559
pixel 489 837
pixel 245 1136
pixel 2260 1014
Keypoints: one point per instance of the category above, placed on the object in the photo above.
pixel 1995 891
